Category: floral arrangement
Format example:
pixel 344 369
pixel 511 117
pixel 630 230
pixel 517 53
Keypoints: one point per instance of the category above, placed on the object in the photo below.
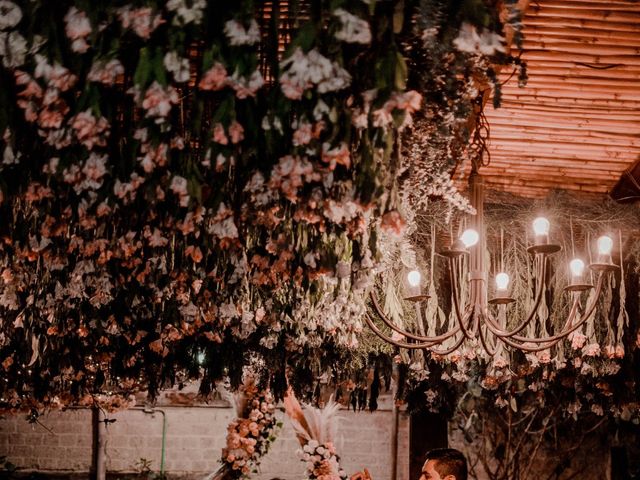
pixel 250 434
pixel 315 430
pixel 163 200
pixel 322 461
pixel 174 184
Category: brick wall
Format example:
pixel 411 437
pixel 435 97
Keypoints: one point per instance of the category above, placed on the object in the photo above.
pixel 194 438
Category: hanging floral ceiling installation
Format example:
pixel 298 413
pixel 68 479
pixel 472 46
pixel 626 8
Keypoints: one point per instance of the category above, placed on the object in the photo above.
pixel 188 187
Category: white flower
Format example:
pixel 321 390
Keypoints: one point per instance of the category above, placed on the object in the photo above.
pixel 301 71
pixel 354 29
pixel 95 168
pixel 238 35
pixel 178 66
pixel 77 29
pixel 468 39
pixel 490 43
pixel 487 43
pixel 158 100
pixel 10 14
pixel 105 72
pixel 246 87
pixel 320 109
pixel 13 49
pixel 179 185
pixel 185 15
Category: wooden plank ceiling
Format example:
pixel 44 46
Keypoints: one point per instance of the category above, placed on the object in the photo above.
pixel 576 125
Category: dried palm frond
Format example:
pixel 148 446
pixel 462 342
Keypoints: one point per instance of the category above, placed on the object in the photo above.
pixel 312 423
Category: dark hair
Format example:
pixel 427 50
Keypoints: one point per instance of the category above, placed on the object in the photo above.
pixel 449 462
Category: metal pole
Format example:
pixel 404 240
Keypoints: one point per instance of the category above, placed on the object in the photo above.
pixel 477 272
pixel 101 456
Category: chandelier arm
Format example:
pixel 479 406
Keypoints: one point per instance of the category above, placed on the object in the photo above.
pixel 565 332
pixel 468 314
pixel 527 348
pixel 408 346
pixel 495 328
pixel 450 349
pixel 394 327
pixel 485 343
pixel 552 340
pixel 499 332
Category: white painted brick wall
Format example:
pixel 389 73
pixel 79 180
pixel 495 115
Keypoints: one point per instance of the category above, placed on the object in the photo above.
pixel 195 437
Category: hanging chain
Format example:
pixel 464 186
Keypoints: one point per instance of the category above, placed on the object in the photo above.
pixel 478 148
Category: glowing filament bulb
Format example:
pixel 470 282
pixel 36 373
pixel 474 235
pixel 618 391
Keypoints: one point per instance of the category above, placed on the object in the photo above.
pixel 502 281
pixel 469 237
pixel 414 277
pixel 577 267
pixel 605 245
pixel 541 226
pixel 200 358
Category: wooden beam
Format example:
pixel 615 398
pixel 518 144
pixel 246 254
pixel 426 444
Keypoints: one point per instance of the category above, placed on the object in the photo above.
pixel 571 21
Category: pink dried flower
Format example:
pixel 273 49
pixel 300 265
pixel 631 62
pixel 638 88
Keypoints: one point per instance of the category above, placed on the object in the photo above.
pixel 105 73
pixel 409 101
pixel 89 130
pixel 158 100
pixel 219 136
pixel 215 78
pixel 236 131
pixel 392 222
pixel 591 350
pixel 577 340
pixel 141 20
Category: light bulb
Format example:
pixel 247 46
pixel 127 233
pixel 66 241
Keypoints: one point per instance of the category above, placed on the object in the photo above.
pixel 502 281
pixel 469 237
pixel 414 277
pixel 541 226
pixel 577 267
pixel 200 358
pixel 605 245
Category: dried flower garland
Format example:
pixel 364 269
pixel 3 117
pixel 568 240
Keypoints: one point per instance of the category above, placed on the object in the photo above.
pixel 250 434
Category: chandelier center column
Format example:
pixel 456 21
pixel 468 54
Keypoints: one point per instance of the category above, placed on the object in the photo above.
pixel 477 271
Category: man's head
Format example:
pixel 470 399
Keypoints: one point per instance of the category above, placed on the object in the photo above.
pixel 444 464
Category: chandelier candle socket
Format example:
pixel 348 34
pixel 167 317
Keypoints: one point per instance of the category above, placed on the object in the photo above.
pixel 414 279
pixel 604 263
pixel 576 266
pixel 541 228
pixel 478 325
